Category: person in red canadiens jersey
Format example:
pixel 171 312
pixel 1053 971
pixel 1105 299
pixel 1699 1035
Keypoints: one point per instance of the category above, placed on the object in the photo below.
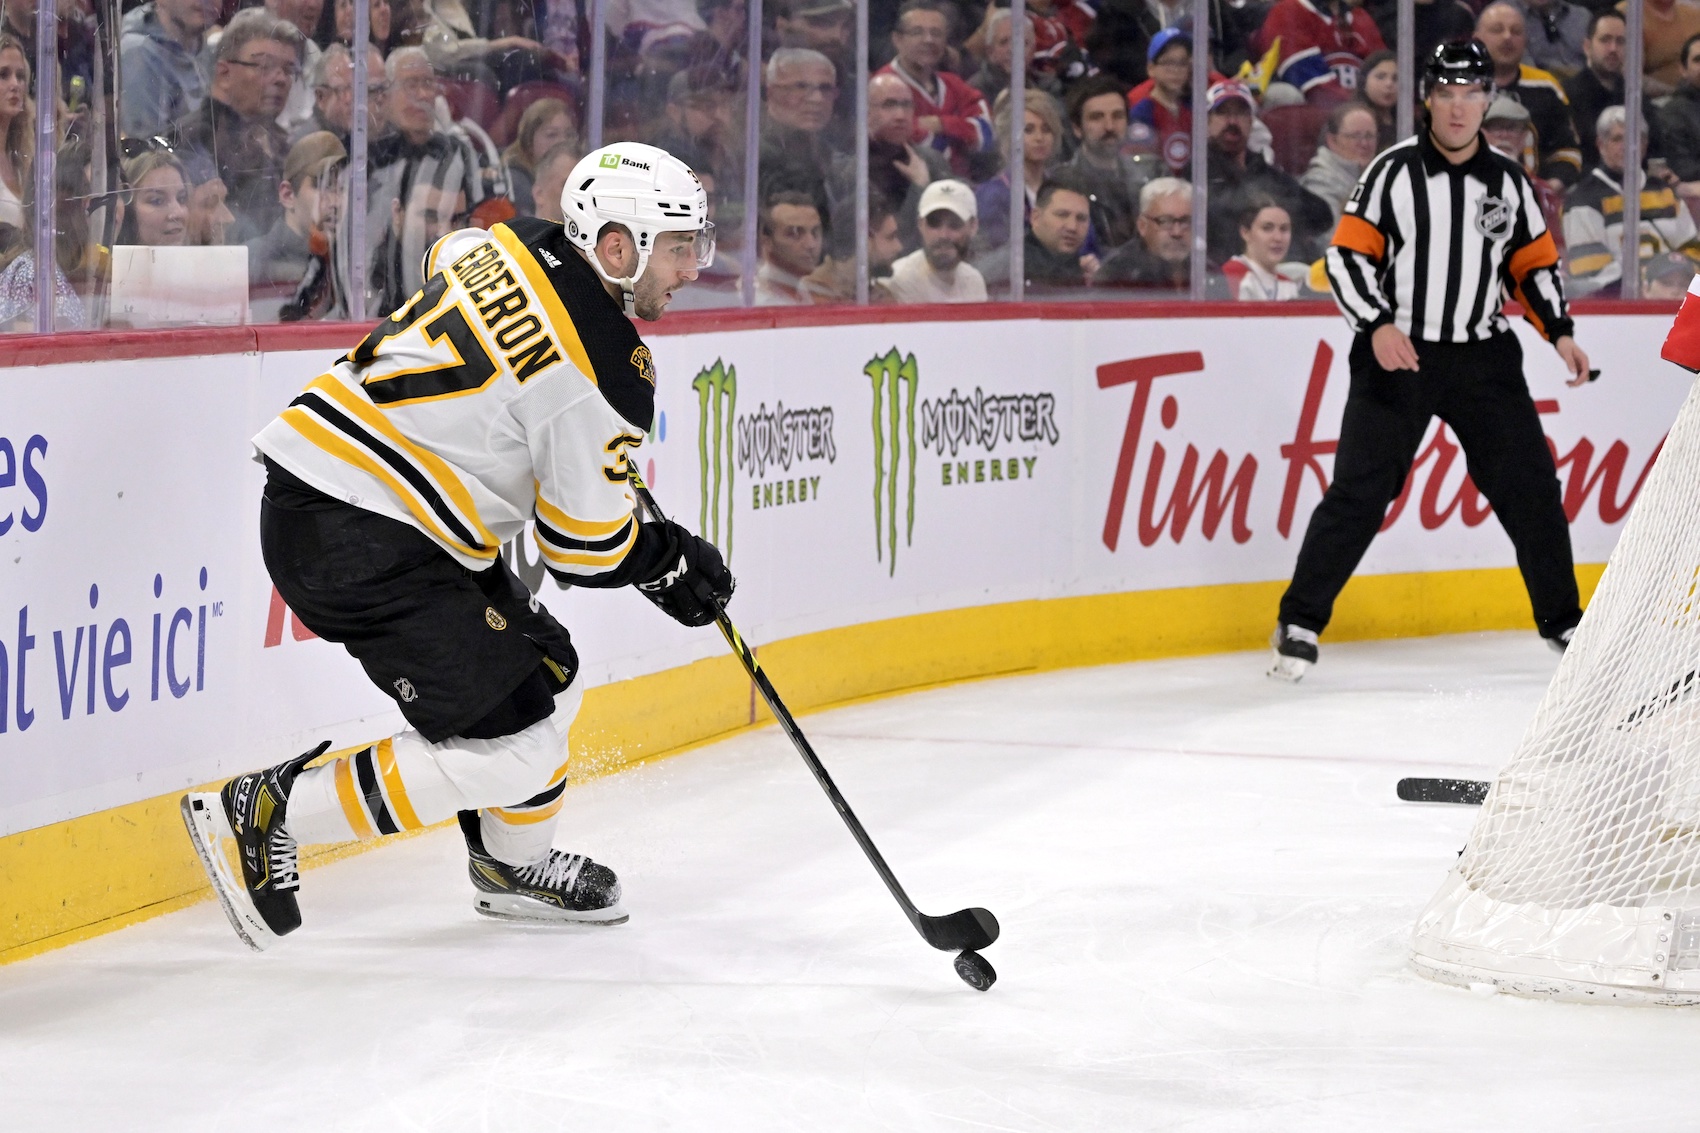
pixel 950 116
pixel 1323 45
pixel 512 388
pixel 1438 230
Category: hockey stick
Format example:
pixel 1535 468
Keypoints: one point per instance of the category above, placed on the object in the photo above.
pixel 964 929
pixel 1469 792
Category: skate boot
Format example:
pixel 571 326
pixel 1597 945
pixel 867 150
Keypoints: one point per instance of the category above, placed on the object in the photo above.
pixel 1295 652
pixel 1560 642
pixel 561 889
pixel 244 822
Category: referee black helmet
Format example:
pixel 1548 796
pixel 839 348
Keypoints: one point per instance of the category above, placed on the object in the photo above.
pixel 1465 61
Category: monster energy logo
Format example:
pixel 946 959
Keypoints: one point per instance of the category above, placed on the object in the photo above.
pixel 717 402
pixel 894 430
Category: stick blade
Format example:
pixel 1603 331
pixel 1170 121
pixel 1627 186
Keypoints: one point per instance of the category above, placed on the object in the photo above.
pixel 965 929
pixel 1465 792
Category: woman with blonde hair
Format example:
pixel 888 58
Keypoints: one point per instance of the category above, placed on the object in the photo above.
pixel 545 124
pixel 17 131
pixel 80 265
pixel 1041 142
pixel 158 212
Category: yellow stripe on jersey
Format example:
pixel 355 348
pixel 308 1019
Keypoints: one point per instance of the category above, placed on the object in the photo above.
pixel 400 805
pixel 434 466
pixel 559 320
pixel 346 450
pixel 352 809
pixel 580 528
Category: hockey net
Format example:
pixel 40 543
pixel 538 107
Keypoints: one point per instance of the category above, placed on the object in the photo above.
pixel 1581 879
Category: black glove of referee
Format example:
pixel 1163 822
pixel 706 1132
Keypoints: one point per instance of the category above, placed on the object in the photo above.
pixel 694 583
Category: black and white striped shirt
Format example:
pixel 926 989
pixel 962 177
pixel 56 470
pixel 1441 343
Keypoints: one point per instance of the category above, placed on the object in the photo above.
pixel 1428 246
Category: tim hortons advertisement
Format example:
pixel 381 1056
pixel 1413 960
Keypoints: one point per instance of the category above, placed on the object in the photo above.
pixel 848 473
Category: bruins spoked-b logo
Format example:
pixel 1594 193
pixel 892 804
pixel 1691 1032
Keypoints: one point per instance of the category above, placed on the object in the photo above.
pixel 644 362
pixel 717 406
pixel 894 379
pixel 1493 217
pixel 493 619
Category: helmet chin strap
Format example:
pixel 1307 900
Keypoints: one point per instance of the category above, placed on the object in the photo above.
pixel 627 286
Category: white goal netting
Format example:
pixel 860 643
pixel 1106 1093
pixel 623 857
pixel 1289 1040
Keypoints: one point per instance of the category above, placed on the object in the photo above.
pixel 1581 879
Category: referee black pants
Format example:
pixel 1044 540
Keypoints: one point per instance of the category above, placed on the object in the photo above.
pixel 1477 388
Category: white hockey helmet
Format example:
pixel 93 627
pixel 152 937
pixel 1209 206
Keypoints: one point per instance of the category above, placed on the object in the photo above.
pixel 645 190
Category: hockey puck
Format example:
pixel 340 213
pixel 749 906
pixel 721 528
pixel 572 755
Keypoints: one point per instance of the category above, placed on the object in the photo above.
pixel 974 970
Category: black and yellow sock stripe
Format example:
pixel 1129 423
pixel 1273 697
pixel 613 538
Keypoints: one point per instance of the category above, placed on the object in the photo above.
pixel 373 796
pixel 541 807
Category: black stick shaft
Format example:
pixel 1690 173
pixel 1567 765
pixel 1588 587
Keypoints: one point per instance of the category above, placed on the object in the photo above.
pixel 801 742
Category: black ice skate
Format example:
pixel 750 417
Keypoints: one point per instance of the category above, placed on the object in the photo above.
pixel 1560 642
pixel 1295 652
pixel 244 822
pixel 560 889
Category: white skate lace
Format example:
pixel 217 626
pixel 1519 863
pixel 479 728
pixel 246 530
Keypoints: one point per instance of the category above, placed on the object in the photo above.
pixel 558 871
pixel 285 858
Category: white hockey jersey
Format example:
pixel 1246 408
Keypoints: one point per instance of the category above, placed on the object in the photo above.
pixel 511 388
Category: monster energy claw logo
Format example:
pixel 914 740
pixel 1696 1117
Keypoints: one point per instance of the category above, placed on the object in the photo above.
pixel 717 402
pixel 894 380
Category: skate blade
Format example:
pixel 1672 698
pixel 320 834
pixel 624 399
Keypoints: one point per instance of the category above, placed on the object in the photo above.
pixel 1289 669
pixel 523 910
pixel 209 830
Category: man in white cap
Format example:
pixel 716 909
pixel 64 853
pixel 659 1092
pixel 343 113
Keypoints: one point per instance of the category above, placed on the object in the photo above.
pixel 938 271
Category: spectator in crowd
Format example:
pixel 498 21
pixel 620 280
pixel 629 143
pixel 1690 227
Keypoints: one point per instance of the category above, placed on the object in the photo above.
pixel 1238 176
pixel 1161 122
pixel 1040 140
pixel 1433 22
pixel 414 152
pixel 454 47
pixel 377 24
pixel 210 218
pixel 1322 45
pixel 1502 31
pixel 1506 128
pixel 801 90
pixel 1378 87
pixel 826 26
pixel 311 196
pixel 17 136
pixel 77 48
pixel 1256 274
pixel 1052 253
pixel 432 211
pixel 156 211
pixel 792 239
pixel 303 15
pixel 938 271
pixel 1668 276
pixel 1593 214
pixel 835 280
pixel 697 121
pixel 545 124
pixel 1556 29
pixel 1348 146
pixel 332 80
pixel 1599 84
pixel 951 116
pixel 992 79
pixel 1097 109
pixel 1161 258
pixel 259 57
pixel 727 22
pixel 552 170
pixel 1680 117
pixel 79 263
pixel 897 168
pixel 157 54
pixel 1666 26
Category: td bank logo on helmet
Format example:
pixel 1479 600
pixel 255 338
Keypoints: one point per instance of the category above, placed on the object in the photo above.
pixel 615 161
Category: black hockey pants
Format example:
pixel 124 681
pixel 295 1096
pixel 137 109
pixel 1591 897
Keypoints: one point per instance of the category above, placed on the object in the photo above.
pixel 1477 388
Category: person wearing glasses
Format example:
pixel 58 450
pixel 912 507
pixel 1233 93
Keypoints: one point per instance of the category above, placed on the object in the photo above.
pixel 950 116
pixel 1160 258
pixel 332 80
pixel 514 392
pixel 1348 146
pixel 259 57
pixel 157 56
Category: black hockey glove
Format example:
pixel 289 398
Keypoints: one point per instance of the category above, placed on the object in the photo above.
pixel 694 582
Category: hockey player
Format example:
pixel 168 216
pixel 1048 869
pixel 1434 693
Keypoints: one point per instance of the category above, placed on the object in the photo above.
pixel 512 387
pixel 1439 226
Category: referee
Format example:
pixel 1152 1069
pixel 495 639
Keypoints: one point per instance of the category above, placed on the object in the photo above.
pixel 1438 225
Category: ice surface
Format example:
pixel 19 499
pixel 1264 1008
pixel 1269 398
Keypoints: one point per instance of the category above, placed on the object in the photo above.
pixel 1205 882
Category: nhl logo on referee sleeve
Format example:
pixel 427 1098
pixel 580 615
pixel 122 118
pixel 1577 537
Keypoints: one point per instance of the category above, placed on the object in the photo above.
pixel 493 619
pixel 404 689
pixel 1493 217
